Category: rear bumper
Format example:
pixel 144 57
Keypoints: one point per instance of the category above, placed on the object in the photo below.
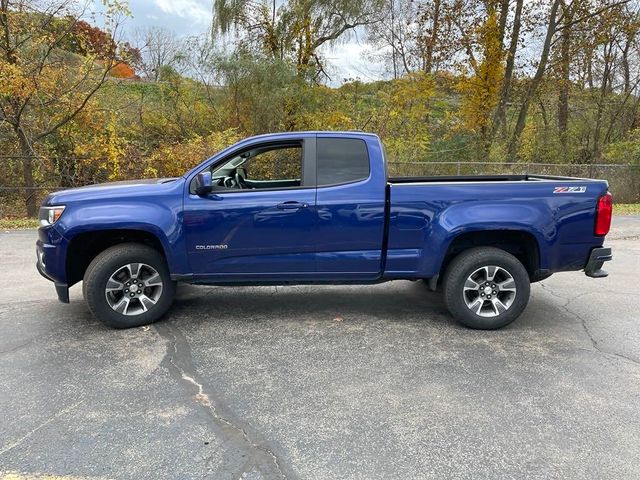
pixel 597 257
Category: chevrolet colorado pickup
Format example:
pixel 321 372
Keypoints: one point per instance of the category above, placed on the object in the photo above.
pixel 314 208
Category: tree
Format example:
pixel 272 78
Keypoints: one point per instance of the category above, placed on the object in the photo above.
pixel 402 117
pixel 564 72
pixel 44 87
pixel 296 30
pixel 615 33
pixel 262 95
pixel 480 90
pixel 567 19
pixel 432 36
pixel 537 78
pixel 392 39
pixel 159 48
pixel 500 116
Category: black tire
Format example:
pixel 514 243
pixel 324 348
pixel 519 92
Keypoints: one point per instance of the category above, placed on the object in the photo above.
pixel 109 261
pixel 463 266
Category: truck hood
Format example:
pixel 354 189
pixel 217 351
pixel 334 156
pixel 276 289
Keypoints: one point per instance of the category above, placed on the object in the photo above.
pixel 111 190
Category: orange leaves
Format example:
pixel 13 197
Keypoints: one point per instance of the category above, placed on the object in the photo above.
pixel 122 70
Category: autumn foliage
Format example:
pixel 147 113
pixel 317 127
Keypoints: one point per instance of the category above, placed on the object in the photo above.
pixel 122 70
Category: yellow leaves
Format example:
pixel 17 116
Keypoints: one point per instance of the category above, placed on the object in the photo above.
pixel 113 148
pixel 528 143
pixel 13 81
pixel 176 159
pixel 410 96
pixel 98 145
pixel 115 8
pixel 150 172
pixel 625 150
pixel 480 91
pixel 403 119
pixel 327 120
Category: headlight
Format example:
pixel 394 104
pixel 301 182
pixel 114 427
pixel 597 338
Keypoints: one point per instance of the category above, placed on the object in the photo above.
pixel 50 215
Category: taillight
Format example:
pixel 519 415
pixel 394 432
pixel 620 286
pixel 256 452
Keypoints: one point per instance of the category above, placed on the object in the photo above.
pixel 603 214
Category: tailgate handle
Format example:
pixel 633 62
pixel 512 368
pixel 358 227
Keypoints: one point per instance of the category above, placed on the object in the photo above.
pixel 292 205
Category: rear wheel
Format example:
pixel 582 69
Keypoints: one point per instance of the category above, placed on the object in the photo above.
pixel 128 285
pixel 486 288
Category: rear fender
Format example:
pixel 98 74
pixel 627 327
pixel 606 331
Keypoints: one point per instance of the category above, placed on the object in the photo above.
pixel 469 217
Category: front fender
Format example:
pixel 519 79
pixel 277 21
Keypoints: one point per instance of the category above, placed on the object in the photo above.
pixel 162 221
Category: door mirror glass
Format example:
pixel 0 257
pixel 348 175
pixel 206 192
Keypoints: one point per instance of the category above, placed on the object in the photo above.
pixel 203 184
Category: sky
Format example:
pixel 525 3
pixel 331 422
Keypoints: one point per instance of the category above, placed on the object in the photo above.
pixel 193 17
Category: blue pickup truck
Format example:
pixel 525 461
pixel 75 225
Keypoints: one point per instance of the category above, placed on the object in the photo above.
pixel 318 208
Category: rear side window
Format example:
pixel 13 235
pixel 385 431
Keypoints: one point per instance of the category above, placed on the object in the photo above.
pixel 341 160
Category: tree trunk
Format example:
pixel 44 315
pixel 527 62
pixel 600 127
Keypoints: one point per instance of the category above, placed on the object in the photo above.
pixel 273 15
pixel 625 65
pixel 27 173
pixel 428 66
pixel 563 94
pixel 393 41
pixel 500 116
pixel 604 89
pixel 504 14
pixel 535 81
pixel 589 60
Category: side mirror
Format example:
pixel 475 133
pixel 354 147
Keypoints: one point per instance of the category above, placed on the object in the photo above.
pixel 203 185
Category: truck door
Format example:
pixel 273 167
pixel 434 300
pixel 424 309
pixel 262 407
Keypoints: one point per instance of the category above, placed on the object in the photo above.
pixel 258 223
pixel 350 204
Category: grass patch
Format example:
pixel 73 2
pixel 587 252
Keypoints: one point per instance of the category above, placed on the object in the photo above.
pixel 626 208
pixel 17 223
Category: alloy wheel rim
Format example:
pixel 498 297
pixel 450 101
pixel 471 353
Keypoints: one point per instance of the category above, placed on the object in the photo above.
pixel 133 289
pixel 489 291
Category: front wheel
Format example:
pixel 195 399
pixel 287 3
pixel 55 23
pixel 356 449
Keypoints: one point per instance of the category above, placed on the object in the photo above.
pixel 128 285
pixel 486 288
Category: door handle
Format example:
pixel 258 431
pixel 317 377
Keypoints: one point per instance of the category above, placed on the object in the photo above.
pixel 292 205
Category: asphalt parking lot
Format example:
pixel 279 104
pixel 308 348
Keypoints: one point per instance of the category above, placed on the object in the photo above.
pixel 345 382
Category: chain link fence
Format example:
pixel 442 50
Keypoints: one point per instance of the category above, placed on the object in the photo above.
pixel 48 175
pixel 624 180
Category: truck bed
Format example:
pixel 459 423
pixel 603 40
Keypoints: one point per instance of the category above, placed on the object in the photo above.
pixel 485 178
pixel 427 213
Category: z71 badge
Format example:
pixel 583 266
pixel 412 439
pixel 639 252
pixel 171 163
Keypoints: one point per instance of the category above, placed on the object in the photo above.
pixel 569 189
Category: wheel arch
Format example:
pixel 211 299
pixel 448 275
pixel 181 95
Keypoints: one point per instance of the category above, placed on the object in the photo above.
pixel 520 243
pixel 85 246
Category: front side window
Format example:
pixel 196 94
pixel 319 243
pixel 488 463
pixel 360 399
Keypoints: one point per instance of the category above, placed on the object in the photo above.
pixel 341 160
pixel 278 164
pixel 272 166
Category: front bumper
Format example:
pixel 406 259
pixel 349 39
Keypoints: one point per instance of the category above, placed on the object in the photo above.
pixel 62 289
pixel 50 261
pixel 597 257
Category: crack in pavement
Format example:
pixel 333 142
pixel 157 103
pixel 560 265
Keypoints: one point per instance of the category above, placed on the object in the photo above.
pixel 19 347
pixel 625 237
pixel 19 441
pixel 179 362
pixel 583 322
pixel 246 468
